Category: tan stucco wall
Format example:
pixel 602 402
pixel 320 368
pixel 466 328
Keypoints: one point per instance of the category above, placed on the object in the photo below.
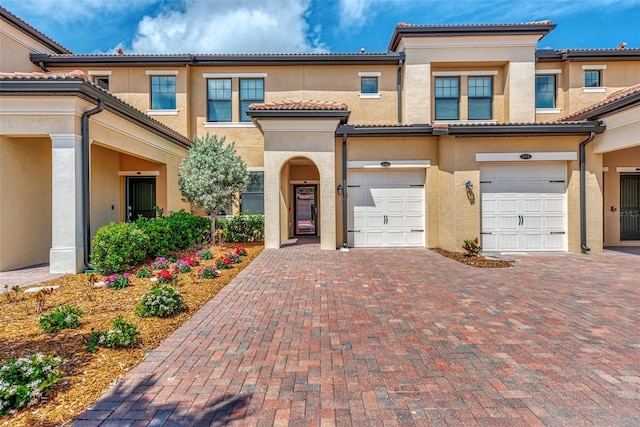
pixel 135 164
pixel 105 191
pixel 16 47
pixel 629 157
pixel 25 205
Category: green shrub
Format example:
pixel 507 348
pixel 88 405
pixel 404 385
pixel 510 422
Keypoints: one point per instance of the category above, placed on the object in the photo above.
pixel 65 317
pixel 23 381
pixel 122 334
pixel 117 281
pixel 143 272
pixel 472 247
pixel 160 301
pixel 187 230
pixel 117 247
pixel 159 232
pixel 242 228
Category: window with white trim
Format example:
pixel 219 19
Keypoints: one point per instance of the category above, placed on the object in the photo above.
pixel 252 199
pixel 592 78
pixel 546 91
pixel 163 92
pixel 219 100
pixel 368 85
pixel 447 98
pixel 251 92
pixel 102 81
pixel 480 98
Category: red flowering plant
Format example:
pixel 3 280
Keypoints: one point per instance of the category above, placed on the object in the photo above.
pixel 241 251
pixel 193 261
pixel 208 272
pixel 224 261
pixel 165 277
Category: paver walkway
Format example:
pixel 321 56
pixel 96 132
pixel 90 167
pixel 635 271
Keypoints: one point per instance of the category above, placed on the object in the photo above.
pixel 26 276
pixel 398 337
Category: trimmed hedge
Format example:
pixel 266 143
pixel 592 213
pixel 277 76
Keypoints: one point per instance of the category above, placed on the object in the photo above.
pixel 118 247
pixel 242 228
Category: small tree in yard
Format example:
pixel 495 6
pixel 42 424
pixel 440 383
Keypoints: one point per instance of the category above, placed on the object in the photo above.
pixel 212 175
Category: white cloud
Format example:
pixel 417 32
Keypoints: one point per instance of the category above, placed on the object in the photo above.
pixel 244 26
pixel 356 14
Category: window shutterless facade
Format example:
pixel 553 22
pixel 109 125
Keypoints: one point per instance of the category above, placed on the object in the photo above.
pixel 546 91
pixel 251 92
pixel 480 98
pixel 368 85
pixel 447 98
pixel 252 199
pixel 163 92
pixel 219 100
pixel 592 78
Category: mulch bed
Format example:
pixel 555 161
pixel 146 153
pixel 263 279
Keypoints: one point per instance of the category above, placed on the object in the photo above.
pixel 88 376
pixel 474 261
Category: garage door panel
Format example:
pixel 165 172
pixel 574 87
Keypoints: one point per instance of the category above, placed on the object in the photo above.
pixel 523 206
pixel 384 205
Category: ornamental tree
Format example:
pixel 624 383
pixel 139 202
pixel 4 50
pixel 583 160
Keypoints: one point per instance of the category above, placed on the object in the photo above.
pixel 212 175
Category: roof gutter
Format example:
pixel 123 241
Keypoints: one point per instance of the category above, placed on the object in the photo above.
pixel 86 183
pixel 583 193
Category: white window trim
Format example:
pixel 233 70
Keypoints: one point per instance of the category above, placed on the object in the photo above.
pixel 546 71
pixel 627 169
pixel 464 73
pixel 594 67
pixel 161 72
pixel 232 75
pixel 599 89
pixel 369 74
pixel 229 125
pixel 515 157
pixel 370 95
pixel 548 110
pixel 255 168
pixel 99 73
pixel 163 112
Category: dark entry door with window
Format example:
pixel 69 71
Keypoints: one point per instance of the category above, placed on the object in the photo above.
pixel 630 207
pixel 305 210
pixel 141 197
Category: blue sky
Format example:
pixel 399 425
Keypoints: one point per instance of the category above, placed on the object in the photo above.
pixel 300 26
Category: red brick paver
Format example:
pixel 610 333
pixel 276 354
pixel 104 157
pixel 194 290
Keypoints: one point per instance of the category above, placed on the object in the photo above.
pixel 382 337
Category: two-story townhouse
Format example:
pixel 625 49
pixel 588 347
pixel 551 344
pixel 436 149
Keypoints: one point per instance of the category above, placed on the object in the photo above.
pixel 454 133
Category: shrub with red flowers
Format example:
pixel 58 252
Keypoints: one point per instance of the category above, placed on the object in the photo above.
pixel 193 261
pixel 224 261
pixel 165 277
pixel 241 251
pixel 208 272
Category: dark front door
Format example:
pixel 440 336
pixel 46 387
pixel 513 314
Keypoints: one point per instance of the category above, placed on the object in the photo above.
pixel 141 197
pixel 630 207
pixel 305 210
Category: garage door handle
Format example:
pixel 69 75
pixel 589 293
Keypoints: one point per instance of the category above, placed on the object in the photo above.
pixel 557 232
pixel 559 180
pixel 386 219
pixel 417 231
pixel 485 232
pixel 354 231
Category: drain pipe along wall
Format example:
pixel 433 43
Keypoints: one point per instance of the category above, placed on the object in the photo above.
pixel 583 193
pixel 86 183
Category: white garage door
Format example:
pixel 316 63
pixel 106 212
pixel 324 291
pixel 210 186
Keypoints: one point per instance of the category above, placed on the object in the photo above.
pixel 524 207
pixel 386 208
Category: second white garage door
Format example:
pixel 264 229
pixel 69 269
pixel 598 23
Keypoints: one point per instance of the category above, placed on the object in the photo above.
pixel 386 208
pixel 524 207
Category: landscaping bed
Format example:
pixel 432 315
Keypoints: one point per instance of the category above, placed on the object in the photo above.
pixel 89 375
pixel 474 261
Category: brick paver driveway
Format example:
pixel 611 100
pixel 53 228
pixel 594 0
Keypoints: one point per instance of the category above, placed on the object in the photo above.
pixel 399 337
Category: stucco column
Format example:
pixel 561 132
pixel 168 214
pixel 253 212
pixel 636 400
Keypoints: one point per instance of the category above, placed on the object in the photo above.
pixel 271 201
pixel 66 254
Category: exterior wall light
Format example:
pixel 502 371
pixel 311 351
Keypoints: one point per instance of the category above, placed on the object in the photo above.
pixel 468 185
pixel 340 189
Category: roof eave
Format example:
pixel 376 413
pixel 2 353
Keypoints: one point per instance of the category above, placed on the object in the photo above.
pixel 547 129
pixel 343 115
pixel 90 93
pixel 32 32
pixel 608 109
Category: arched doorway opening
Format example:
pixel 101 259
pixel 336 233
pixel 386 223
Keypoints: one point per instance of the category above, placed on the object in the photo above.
pixel 300 180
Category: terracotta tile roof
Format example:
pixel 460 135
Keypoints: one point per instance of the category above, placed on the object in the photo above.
pixel 611 99
pixel 300 105
pixel 51 75
pixel 532 23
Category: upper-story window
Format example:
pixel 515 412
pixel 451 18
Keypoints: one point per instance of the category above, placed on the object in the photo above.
pixel 447 98
pixel 102 81
pixel 480 98
pixel 592 78
pixel 163 92
pixel 368 85
pixel 545 91
pixel 251 92
pixel 219 100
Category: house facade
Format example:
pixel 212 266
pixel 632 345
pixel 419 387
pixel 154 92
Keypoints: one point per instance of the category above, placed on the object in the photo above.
pixel 456 132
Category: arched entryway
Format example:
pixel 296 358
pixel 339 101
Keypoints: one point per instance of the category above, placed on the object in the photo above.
pixel 302 196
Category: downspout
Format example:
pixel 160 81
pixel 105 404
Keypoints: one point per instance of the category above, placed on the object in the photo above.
pixel 583 194
pixel 41 65
pixel 400 62
pixel 86 184
pixel 345 243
